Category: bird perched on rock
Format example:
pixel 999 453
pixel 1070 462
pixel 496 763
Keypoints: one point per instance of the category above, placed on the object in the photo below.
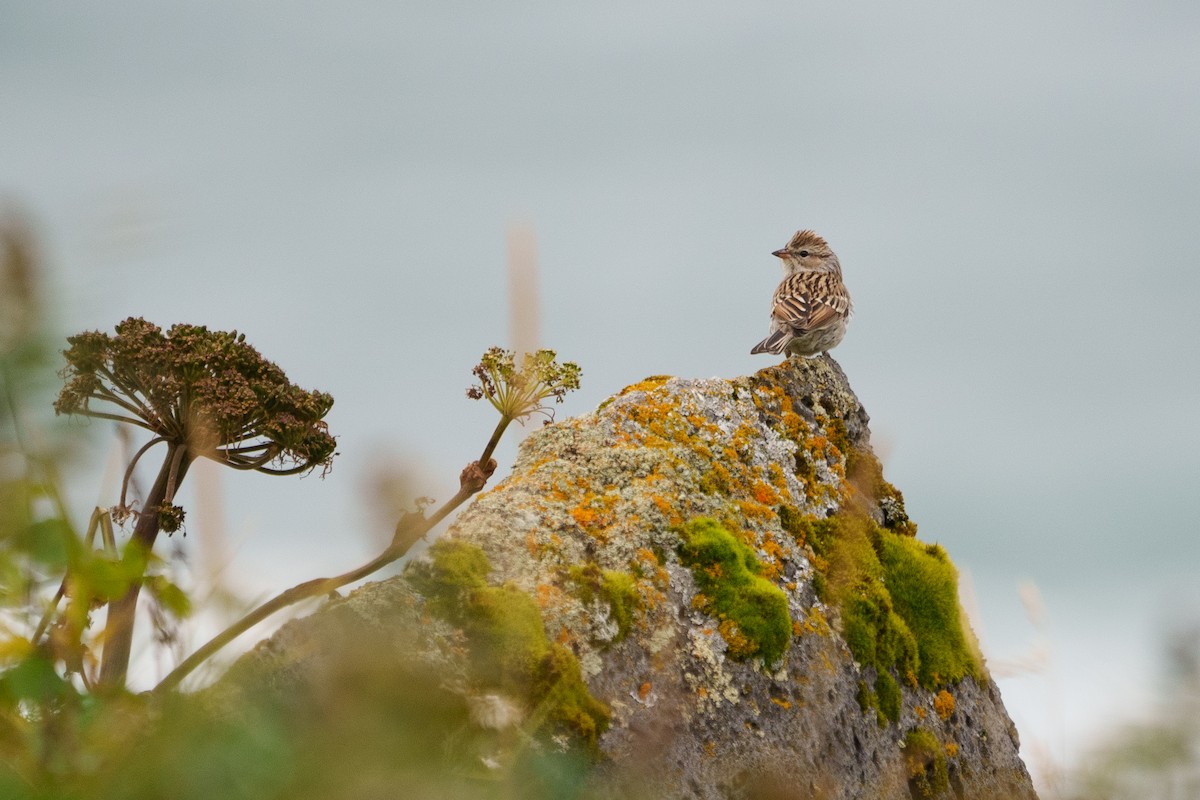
pixel 811 306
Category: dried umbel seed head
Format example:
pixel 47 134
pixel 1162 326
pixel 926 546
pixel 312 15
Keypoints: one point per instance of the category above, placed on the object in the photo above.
pixel 208 390
pixel 204 394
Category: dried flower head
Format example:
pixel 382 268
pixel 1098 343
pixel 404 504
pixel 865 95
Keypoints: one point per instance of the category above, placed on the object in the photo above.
pixel 170 517
pixel 516 392
pixel 206 390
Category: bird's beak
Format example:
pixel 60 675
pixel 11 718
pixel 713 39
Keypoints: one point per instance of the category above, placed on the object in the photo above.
pixel 779 253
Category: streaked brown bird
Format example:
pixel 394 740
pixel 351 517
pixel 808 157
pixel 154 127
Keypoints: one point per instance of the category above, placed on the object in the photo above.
pixel 811 306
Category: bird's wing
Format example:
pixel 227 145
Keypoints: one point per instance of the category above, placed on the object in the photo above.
pixel 805 302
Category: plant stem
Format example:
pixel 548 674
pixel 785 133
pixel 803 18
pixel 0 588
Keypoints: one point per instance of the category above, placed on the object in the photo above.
pixel 406 535
pixel 495 440
pixel 118 629
pixel 410 529
pixel 89 538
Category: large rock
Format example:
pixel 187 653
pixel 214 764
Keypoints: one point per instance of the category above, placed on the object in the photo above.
pixel 812 668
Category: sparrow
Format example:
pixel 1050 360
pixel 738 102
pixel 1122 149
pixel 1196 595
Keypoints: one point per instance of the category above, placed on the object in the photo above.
pixel 811 306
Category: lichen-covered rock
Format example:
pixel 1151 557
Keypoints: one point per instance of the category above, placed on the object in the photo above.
pixel 723 565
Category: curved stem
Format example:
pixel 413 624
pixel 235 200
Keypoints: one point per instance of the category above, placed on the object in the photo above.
pixel 102 392
pixel 239 461
pixel 306 590
pixel 133 463
pixel 246 448
pixel 408 531
pixel 87 412
pixel 289 471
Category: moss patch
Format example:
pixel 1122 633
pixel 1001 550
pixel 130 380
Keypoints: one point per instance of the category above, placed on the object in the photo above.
pixel 897 598
pixel 888 692
pixel 928 775
pixel 617 589
pixel 507 640
pixel 752 610
pixel 924 589
pixel 868 702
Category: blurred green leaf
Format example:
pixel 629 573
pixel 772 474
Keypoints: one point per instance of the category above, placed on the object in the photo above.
pixel 169 596
pixel 34 679
pixel 48 542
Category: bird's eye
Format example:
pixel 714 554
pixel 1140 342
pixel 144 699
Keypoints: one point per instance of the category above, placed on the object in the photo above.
pixel 803 253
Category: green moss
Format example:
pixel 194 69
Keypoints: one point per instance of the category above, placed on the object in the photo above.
pixel 928 775
pixel 453 567
pixel 508 646
pixel 867 699
pixel 924 589
pixel 875 633
pixel 753 611
pixel 897 598
pixel 869 703
pixel 888 692
pixel 612 587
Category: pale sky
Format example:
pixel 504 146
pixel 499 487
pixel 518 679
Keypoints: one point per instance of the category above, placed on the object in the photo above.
pixel 1013 190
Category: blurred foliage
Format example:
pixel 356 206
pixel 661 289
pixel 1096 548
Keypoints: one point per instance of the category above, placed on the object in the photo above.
pixel 372 727
pixel 1156 759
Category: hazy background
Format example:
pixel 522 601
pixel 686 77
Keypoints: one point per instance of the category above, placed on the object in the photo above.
pixel 1013 189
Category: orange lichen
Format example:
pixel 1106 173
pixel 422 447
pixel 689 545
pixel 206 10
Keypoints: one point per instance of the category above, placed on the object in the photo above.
pixel 764 493
pixel 920 713
pixel 794 426
pixel 644 690
pixel 585 517
pixel 781 702
pixel 756 511
pixel 668 510
pixel 773 563
pixel 645 385
pixel 595 512
pixel 943 704
pixel 739 646
pixel 951 749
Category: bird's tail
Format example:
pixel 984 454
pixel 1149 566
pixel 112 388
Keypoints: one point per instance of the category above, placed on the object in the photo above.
pixel 773 343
